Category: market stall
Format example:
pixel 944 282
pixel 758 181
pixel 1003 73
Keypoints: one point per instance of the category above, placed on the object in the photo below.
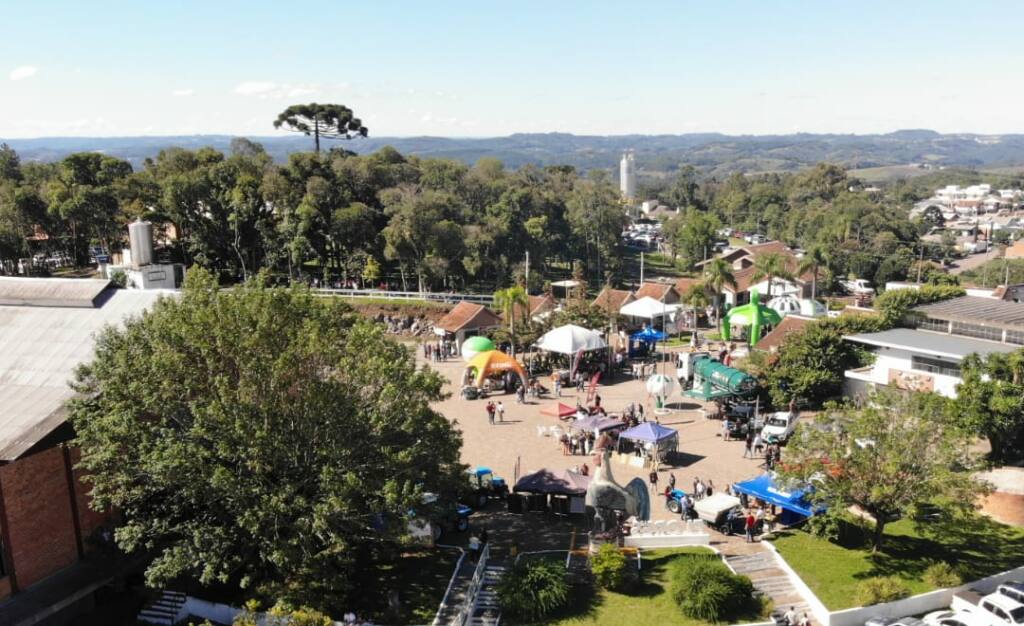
pixel 645 341
pixel 597 424
pixel 559 410
pixel 647 308
pixel 649 441
pixel 563 491
pixel 794 501
pixel 571 339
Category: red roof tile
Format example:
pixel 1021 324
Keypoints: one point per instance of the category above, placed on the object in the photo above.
pixel 468 315
pixel 789 325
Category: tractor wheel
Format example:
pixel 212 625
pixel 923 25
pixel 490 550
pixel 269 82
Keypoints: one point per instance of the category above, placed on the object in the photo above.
pixel 673 506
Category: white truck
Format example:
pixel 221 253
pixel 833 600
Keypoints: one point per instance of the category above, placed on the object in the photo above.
pixel 779 426
pixel 995 609
pixel 858 285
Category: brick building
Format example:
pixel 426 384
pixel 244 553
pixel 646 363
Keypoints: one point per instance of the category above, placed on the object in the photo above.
pixel 47 530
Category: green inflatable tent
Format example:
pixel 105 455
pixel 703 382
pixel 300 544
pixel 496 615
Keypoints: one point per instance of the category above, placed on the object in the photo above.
pixel 755 315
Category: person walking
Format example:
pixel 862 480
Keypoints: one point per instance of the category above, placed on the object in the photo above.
pixel 709 489
pixel 501 411
pixel 748 447
pixel 654 481
pixel 474 548
pixel 758 444
pixel 748 526
pixel 671 481
pixel 556 380
pixel 726 424
pixel 700 489
pixel 790 617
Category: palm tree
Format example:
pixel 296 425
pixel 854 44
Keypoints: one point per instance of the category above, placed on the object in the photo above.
pixel 815 258
pixel 508 300
pixel 718 274
pixel 771 266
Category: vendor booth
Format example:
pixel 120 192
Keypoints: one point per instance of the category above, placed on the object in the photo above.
pixel 493 362
pixel 559 410
pixel 563 491
pixel 649 441
pixel 644 341
pixel 657 313
pixel 570 339
pixel 597 424
pixel 795 504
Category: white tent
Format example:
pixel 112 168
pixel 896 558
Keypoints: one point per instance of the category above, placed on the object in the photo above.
pixel 570 339
pixel 649 308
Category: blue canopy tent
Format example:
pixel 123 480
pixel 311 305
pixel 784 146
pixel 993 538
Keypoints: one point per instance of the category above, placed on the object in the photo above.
pixel 643 341
pixel 660 437
pixel 794 503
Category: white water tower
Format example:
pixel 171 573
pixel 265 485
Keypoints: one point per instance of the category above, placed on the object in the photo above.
pixel 627 176
pixel 140 242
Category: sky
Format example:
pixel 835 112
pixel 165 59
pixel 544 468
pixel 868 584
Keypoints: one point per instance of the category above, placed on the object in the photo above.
pixel 467 69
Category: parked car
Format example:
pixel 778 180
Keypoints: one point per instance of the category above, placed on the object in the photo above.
pixel 779 426
pixel 894 621
pixel 952 618
pixel 994 609
pixel 1012 588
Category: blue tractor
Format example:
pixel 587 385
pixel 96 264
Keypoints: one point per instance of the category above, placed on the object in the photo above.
pixel 484 485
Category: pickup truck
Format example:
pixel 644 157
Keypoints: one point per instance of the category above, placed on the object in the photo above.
pixel 779 426
pixel 858 285
pixel 995 609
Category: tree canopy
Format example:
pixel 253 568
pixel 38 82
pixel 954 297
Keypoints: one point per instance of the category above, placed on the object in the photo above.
pixel 260 437
pixel 894 453
pixel 333 121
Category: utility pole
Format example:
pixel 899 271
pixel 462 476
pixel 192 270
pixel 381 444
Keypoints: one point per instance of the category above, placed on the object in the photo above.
pixel 527 272
pixel 641 268
pixel 920 263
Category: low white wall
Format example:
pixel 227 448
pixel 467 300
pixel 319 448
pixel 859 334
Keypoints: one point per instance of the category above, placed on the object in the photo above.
pixel 220 613
pixel 666 541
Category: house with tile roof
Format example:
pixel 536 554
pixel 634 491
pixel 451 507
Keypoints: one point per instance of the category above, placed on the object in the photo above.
pixel 467 320
pixel 662 292
pixel 611 300
pixel 791 324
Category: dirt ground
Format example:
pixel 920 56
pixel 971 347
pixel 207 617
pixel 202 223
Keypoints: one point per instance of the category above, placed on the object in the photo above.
pixel 703 453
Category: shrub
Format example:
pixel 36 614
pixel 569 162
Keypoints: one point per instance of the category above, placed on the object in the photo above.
pixel 533 588
pixel 942 575
pixel 609 567
pixel 119 278
pixel 881 589
pixel 705 589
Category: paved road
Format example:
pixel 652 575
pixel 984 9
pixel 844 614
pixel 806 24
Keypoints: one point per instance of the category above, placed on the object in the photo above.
pixel 975 260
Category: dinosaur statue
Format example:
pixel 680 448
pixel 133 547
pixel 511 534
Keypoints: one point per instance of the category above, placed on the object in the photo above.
pixel 606 496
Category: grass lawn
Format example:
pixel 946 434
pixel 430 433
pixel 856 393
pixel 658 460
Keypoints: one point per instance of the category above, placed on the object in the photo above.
pixel 420 577
pixel 651 604
pixel 833 571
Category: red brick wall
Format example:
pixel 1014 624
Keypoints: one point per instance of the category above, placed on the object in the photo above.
pixel 88 520
pixel 38 507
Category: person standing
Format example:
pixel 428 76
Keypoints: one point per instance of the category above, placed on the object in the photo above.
pixel 748 526
pixel 490 413
pixel 671 481
pixel 474 548
pixel 654 481
pixel 556 380
pixel 501 411
pixel 700 490
pixel 725 429
pixel 748 448
pixel 758 444
pixel 790 617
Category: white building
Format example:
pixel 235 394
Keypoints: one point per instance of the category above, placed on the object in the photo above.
pixel 627 176
pixel 928 356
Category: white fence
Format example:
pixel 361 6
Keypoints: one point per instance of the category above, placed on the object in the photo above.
pixel 448 298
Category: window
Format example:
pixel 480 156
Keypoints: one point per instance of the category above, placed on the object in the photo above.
pixel 977 331
pixel 928 323
pixel 935 366
pixel 1015 336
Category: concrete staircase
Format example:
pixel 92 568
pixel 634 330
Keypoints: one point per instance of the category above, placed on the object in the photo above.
pixel 769 580
pixel 487 611
pixel 164 610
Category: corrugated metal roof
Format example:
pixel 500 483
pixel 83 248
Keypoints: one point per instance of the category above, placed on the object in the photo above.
pixel 935 344
pixel 40 347
pixel 977 310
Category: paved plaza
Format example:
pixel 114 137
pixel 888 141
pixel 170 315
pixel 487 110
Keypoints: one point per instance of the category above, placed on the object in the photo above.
pixel 702 452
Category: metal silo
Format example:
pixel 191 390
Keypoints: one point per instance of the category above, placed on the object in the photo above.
pixel 140 239
pixel 627 176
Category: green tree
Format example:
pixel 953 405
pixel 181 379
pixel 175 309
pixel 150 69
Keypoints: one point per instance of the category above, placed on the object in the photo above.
pixel 771 266
pixel 816 258
pixel 84 197
pixel 718 274
pixel 893 454
pixel 508 300
pixel 332 121
pixel 990 401
pixel 596 219
pixel 260 437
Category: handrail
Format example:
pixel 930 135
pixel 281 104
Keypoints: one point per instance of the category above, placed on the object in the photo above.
pixel 451 581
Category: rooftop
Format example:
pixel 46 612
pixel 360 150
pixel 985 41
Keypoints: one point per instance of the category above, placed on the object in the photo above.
pixel 468 315
pixel 934 344
pixel 977 310
pixel 47 328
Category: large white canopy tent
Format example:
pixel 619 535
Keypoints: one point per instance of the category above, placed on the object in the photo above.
pixel 570 339
pixel 650 309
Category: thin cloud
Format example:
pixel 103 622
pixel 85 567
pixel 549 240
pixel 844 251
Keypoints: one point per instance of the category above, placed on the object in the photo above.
pixel 265 89
pixel 182 93
pixel 255 88
pixel 23 72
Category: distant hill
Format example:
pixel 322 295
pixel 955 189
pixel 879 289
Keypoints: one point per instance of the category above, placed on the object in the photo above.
pixel 711 152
